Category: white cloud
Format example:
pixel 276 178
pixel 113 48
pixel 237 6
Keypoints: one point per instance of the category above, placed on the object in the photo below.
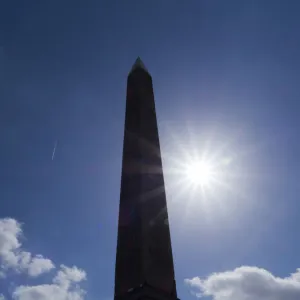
pixel 11 254
pixel 66 275
pixel 247 283
pixel 65 284
pixel 64 287
pixel 39 265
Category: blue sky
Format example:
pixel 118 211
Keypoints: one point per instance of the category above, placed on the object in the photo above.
pixel 225 76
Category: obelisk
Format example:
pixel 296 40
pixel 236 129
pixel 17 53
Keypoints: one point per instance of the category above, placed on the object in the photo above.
pixel 144 261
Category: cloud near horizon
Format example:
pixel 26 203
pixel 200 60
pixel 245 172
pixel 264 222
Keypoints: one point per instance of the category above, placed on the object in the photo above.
pixel 64 285
pixel 13 257
pixel 246 283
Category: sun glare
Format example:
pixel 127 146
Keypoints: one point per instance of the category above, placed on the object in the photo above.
pixel 207 173
pixel 199 173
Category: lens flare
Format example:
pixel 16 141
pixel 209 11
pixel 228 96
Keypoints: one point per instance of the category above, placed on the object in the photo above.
pixel 199 172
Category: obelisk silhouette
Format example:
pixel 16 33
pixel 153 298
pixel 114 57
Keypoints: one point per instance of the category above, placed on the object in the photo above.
pixel 144 261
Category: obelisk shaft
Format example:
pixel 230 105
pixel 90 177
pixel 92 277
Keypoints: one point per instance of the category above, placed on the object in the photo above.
pixel 144 253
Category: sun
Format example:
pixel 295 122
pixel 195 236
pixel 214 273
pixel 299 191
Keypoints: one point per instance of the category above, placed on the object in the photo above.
pixel 199 172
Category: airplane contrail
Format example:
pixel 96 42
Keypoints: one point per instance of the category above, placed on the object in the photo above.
pixel 53 153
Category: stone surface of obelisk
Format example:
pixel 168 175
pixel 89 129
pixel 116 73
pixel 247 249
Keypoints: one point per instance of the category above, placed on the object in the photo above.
pixel 144 261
